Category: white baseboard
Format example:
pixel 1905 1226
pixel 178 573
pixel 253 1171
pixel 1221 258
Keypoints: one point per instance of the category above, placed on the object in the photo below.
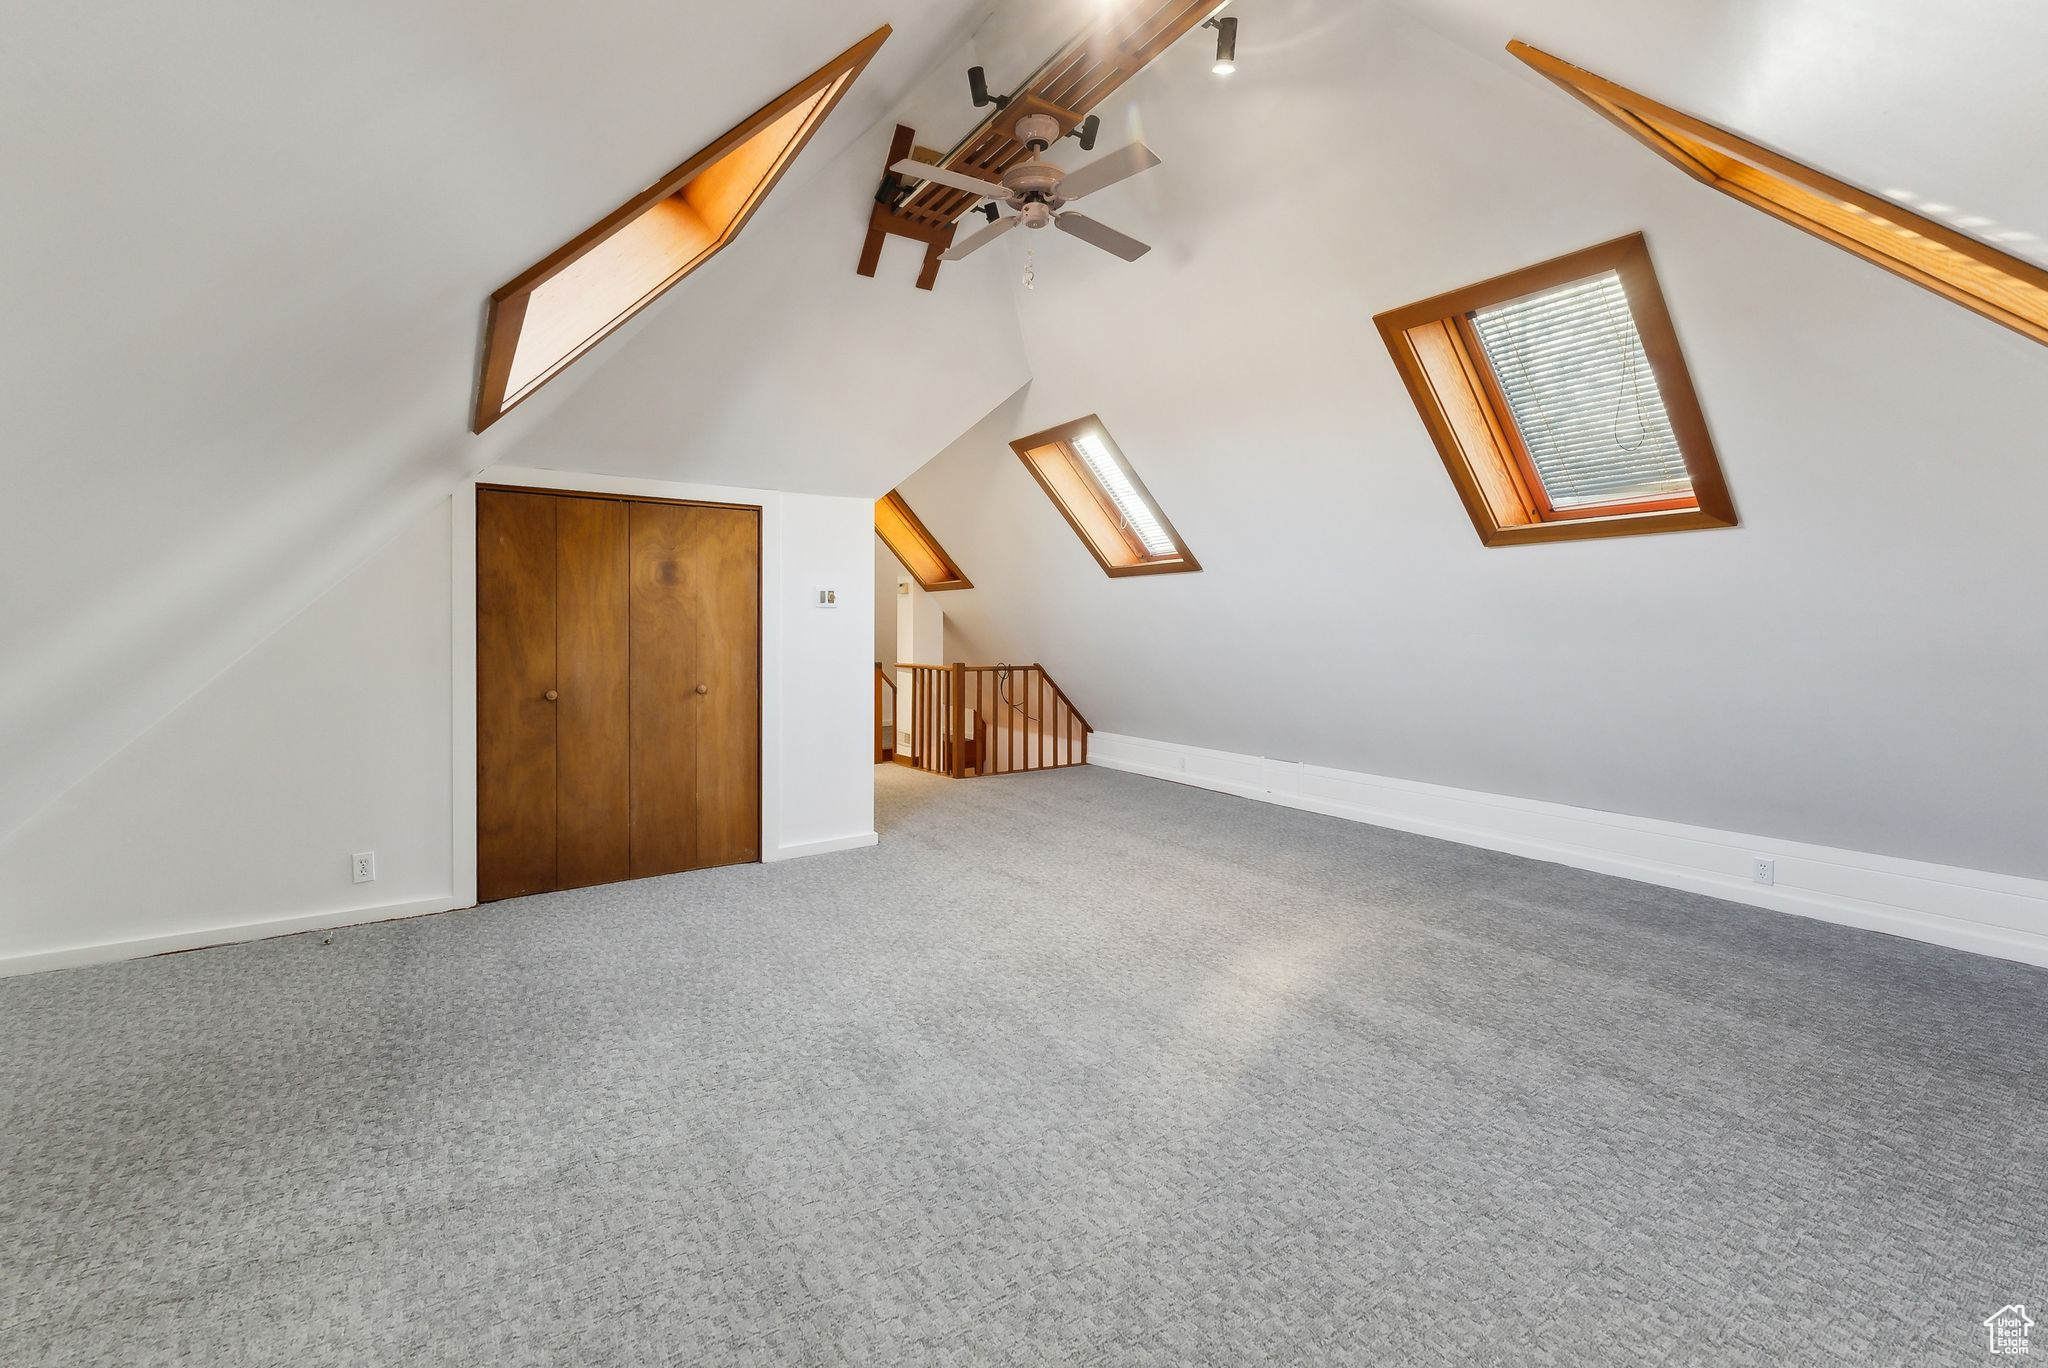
pixel 1965 909
pixel 827 847
pixel 105 952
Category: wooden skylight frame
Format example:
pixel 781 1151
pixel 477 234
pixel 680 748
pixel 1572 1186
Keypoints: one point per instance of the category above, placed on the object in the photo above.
pixel 582 292
pixel 1454 388
pixel 905 534
pixel 1933 255
pixel 1062 472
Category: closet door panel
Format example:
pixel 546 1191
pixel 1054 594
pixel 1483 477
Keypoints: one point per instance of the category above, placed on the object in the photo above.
pixel 663 679
pixel 726 546
pixel 515 656
pixel 593 740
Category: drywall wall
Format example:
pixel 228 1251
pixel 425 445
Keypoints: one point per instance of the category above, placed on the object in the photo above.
pixel 244 806
pixel 825 677
pixel 216 408
pixel 1858 665
pixel 353 729
pixel 887 571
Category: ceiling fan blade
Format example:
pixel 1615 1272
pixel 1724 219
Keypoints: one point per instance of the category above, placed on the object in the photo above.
pixel 980 239
pixel 1121 164
pixel 1101 235
pixel 952 180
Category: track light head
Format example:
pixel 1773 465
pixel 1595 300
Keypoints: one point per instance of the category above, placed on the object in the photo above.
pixel 1226 44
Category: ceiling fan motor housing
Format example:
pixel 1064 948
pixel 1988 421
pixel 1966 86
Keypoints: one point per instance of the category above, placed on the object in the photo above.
pixel 1037 131
pixel 1033 179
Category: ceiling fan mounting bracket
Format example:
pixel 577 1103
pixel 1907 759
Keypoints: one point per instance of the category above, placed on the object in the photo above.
pixel 887 219
pixel 1029 117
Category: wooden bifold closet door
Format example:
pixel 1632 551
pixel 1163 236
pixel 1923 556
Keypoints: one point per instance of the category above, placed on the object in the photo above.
pixel 618 689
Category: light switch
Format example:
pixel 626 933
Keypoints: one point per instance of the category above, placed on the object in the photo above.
pixel 828 598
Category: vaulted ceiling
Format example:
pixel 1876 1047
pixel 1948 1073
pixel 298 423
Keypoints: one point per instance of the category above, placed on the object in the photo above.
pixel 247 248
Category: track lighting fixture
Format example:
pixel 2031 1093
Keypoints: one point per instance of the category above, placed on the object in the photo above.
pixel 1226 44
pixel 978 91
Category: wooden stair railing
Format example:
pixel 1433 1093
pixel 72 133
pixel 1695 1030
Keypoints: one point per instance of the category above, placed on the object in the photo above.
pixel 885 717
pixel 967 721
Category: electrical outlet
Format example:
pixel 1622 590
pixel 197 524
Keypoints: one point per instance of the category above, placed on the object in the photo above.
pixel 1764 871
pixel 363 864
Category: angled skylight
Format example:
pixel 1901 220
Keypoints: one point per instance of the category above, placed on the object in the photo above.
pixel 1571 365
pixel 1079 467
pixel 582 292
pixel 1137 514
pixel 1560 402
pixel 913 544
pixel 1935 255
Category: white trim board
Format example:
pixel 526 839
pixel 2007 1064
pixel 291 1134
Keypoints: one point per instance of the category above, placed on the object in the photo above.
pixel 830 846
pixel 1965 909
pixel 142 947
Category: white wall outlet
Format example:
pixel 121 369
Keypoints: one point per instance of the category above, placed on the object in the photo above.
pixel 1763 870
pixel 363 866
pixel 828 598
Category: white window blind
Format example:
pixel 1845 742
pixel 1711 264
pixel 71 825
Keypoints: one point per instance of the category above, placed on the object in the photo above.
pixel 1582 394
pixel 1137 514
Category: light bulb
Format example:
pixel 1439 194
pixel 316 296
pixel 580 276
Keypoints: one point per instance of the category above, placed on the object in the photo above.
pixel 1224 68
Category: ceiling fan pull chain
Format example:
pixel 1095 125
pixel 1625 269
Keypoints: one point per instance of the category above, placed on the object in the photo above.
pixel 1030 268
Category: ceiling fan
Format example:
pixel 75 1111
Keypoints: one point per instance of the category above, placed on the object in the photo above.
pixel 1037 191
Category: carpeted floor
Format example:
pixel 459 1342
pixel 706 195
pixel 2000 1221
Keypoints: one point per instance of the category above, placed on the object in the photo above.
pixel 1074 1068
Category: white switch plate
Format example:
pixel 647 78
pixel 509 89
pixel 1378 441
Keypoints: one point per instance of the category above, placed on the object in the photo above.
pixel 363 865
pixel 828 598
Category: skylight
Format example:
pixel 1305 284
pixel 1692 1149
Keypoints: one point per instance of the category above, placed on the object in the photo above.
pixel 585 290
pixel 912 542
pixel 1136 514
pixel 1079 467
pixel 1560 403
pixel 1939 256
pixel 1571 365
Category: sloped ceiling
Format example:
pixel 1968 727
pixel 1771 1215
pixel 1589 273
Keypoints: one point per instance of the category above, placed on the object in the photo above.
pixel 1857 665
pixel 247 248
pixel 1941 102
pixel 868 377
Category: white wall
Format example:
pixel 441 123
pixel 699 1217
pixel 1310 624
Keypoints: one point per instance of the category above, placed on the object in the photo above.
pixel 353 728
pixel 1859 665
pixel 215 409
pixel 242 808
pixel 887 571
pixel 827 679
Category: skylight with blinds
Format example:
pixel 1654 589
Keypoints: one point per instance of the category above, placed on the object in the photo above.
pixel 1079 467
pixel 1571 366
pixel 1559 399
pixel 1136 514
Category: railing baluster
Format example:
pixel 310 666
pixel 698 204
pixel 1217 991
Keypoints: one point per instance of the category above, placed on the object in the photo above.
pixel 1013 721
pixel 1042 716
pixel 956 695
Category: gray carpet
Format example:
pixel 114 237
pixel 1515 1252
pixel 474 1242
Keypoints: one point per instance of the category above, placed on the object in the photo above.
pixel 1074 1068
